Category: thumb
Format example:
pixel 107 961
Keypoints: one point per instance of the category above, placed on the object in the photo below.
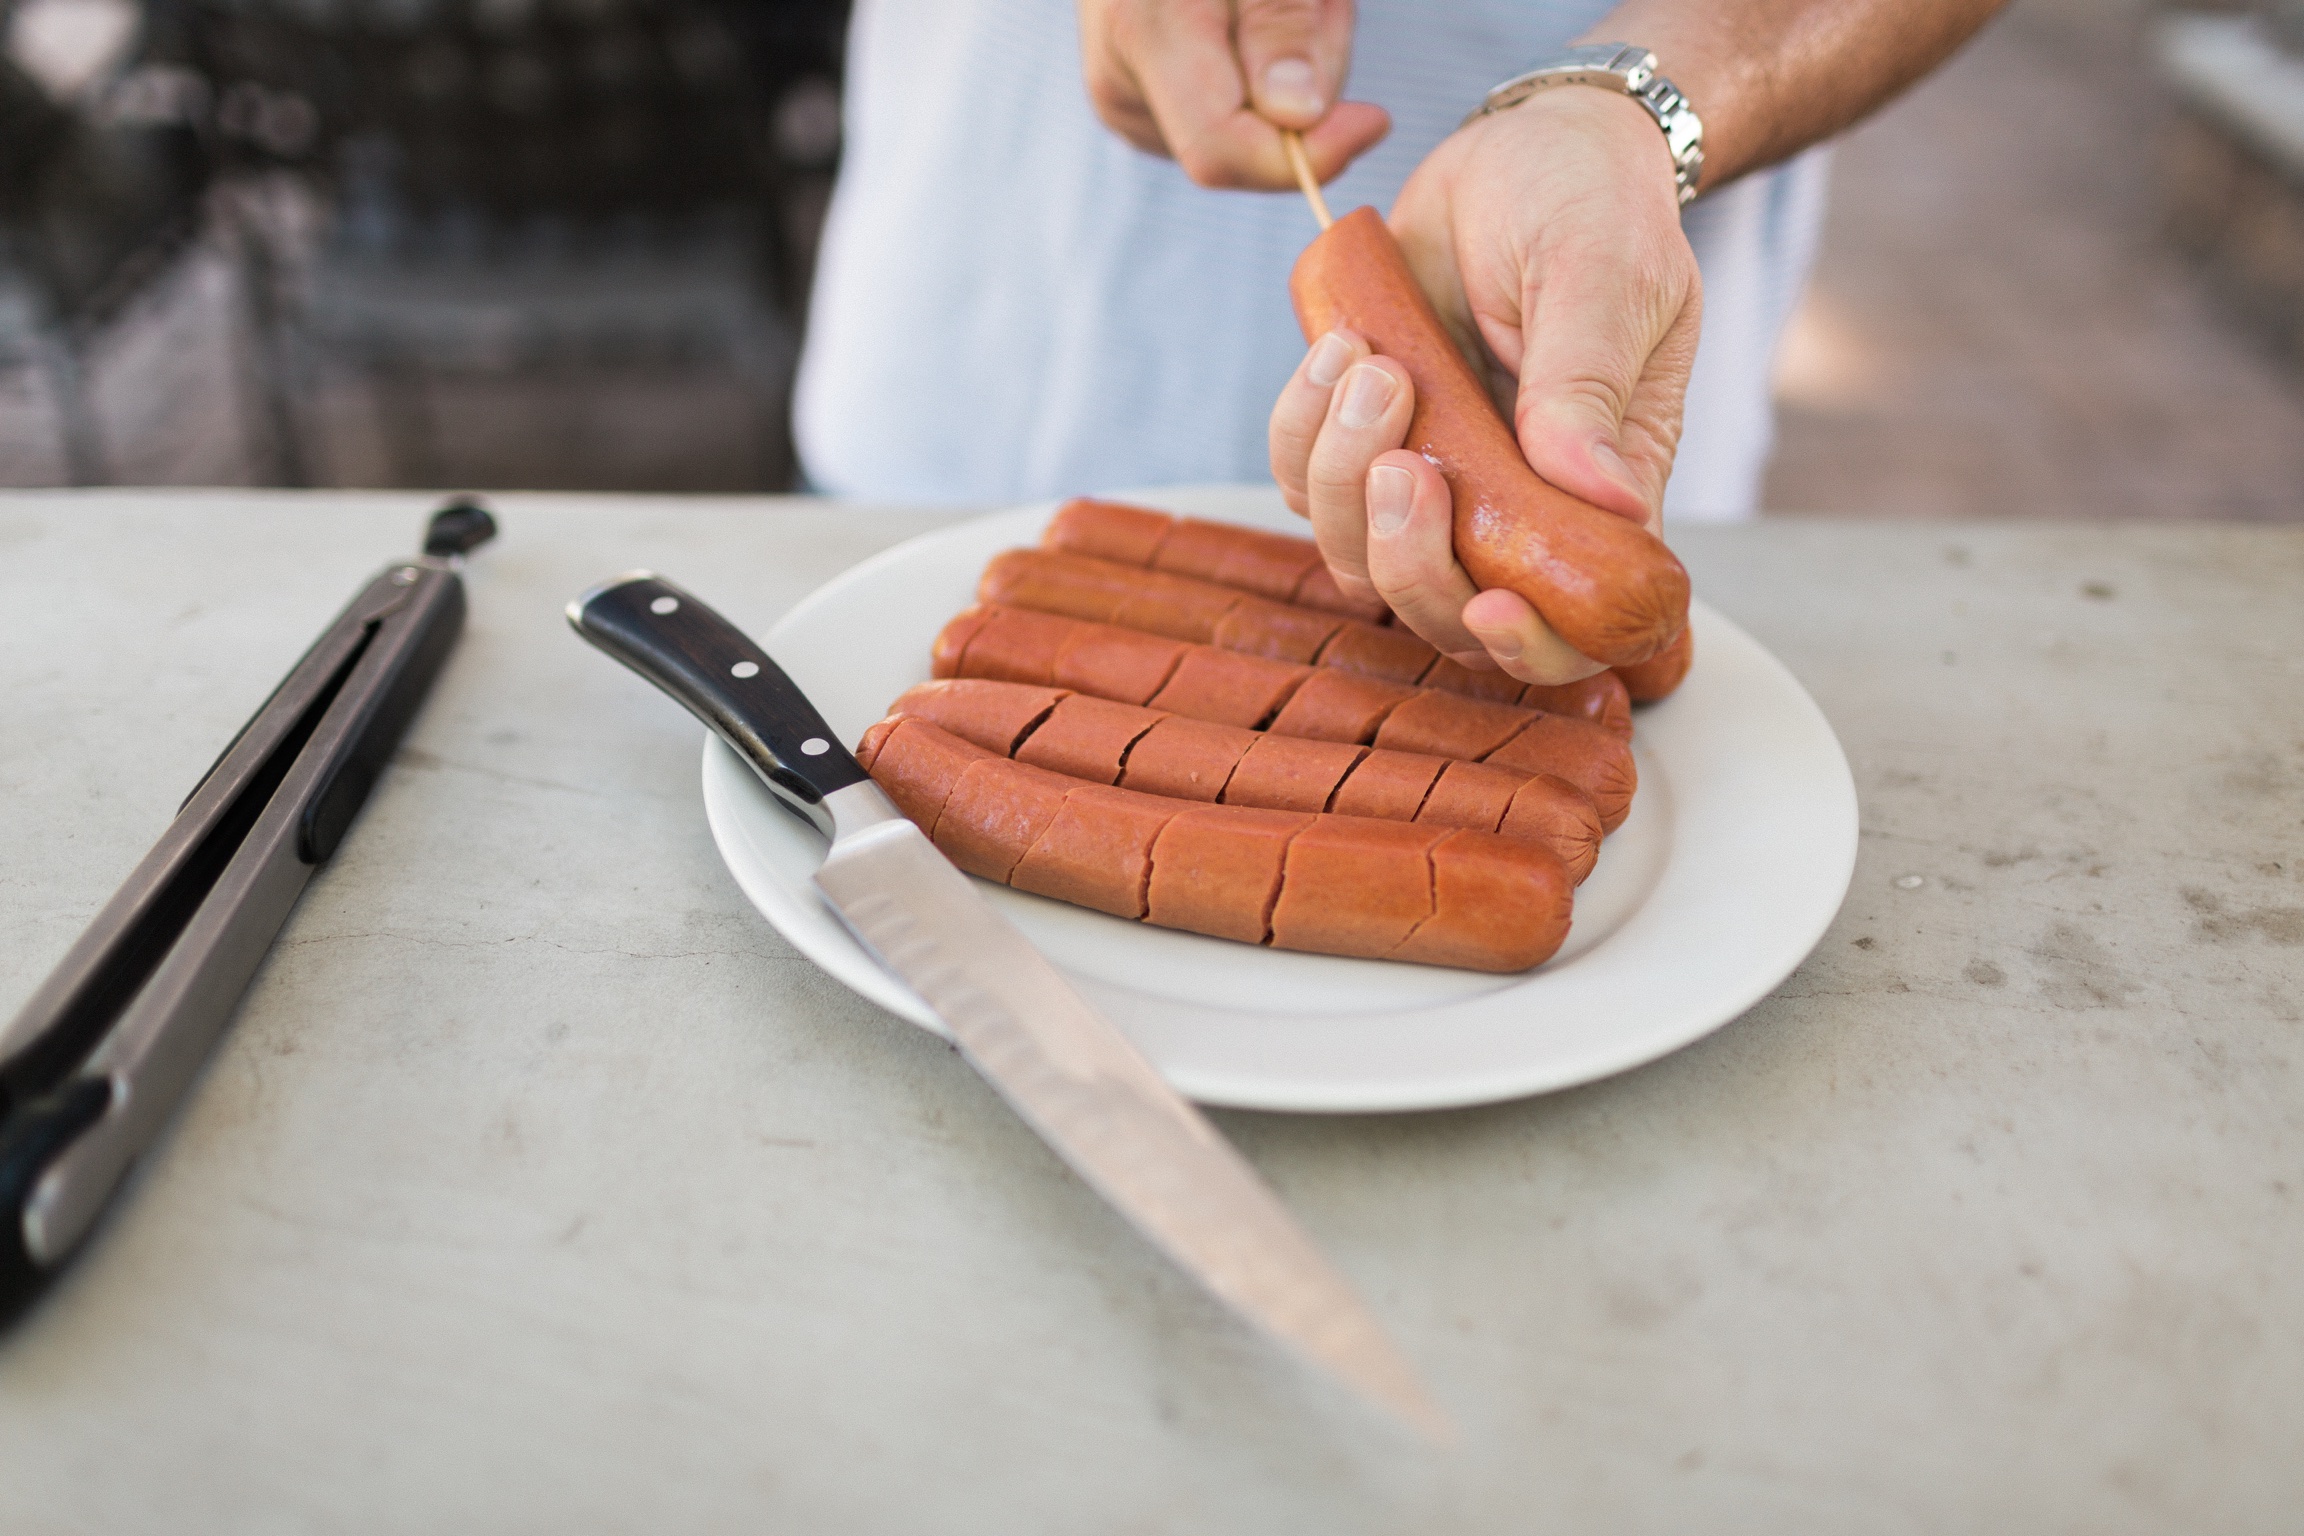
pixel 1293 55
pixel 1607 345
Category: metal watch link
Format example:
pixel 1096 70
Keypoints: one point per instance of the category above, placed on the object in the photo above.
pixel 1626 69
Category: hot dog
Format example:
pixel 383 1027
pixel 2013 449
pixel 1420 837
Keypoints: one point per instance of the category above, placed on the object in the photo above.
pixel 1173 755
pixel 1318 703
pixel 1206 613
pixel 1324 883
pixel 1269 564
pixel 1608 586
pixel 1653 679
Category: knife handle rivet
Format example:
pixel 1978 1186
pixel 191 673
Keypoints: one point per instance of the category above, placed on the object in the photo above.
pixel 815 746
pixel 745 669
pixel 665 605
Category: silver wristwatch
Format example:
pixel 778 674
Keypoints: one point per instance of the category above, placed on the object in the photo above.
pixel 1615 67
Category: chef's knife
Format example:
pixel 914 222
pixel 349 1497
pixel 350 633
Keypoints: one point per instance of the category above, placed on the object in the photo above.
pixel 1073 1077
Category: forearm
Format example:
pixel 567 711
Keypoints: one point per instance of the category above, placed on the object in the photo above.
pixel 1771 77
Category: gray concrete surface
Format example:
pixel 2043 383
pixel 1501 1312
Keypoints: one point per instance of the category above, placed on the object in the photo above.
pixel 539 1186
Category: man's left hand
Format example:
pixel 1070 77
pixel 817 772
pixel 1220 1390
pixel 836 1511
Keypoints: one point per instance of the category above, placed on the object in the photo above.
pixel 1548 237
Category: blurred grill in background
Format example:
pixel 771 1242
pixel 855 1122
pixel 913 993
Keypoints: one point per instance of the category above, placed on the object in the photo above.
pixel 566 244
pixel 550 243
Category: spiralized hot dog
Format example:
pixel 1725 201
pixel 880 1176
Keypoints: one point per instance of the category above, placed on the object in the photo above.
pixel 1608 587
pixel 1325 883
pixel 1208 613
pixel 1321 703
pixel 1186 759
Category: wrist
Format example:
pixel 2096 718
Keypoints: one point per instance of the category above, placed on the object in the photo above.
pixel 1628 72
pixel 1582 143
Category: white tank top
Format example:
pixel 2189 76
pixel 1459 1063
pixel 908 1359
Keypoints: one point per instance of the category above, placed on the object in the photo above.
pixel 1012 303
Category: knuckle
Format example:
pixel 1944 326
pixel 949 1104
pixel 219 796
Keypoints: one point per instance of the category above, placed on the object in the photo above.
pixel 1207 166
pixel 1277 16
pixel 1334 470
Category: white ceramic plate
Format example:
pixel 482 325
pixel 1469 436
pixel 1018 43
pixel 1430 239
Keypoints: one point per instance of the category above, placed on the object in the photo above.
pixel 1736 856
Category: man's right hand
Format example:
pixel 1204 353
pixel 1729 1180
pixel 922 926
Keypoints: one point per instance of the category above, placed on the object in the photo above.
pixel 1210 84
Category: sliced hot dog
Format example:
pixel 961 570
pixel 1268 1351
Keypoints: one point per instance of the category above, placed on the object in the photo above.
pixel 1593 759
pixel 1608 586
pixel 1497 687
pixel 1217 869
pixel 1446 725
pixel 1204 612
pixel 1159 602
pixel 1476 914
pixel 1186 759
pixel 1385 867
pixel 1600 698
pixel 1083 736
pixel 1342 885
pixel 1558 814
pixel 1270 564
pixel 995 813
pixel 1339 706
pixel 1097 852
pixel 1226 686
pixel 1017 645
pixel 1288 773
pixel 1109 530
pixel 1474 795
pixel 1232 689
pixel 922 766
pixel 1392 786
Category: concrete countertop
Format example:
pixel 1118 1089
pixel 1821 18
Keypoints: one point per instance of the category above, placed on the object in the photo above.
pixel 540 1186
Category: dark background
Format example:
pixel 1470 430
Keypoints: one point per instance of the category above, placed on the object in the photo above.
pixel 566 244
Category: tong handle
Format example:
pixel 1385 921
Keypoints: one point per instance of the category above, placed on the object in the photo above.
pixel 410 654
pixel 31 1138
pixel 709 665
pixel 92 1066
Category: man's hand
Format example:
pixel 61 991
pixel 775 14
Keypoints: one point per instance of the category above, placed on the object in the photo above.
pixel 1210 83
pixel 1548 236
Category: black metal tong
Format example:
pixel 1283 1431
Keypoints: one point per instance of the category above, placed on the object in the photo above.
pixel 91 1068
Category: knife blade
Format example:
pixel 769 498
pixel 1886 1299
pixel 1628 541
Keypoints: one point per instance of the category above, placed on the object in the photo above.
pixel 1065 1070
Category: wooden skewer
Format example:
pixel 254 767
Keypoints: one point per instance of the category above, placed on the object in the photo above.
pixel 1294 142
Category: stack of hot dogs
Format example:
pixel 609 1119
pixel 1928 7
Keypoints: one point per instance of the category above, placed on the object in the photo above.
pixel 1189 724
pixel 1184 722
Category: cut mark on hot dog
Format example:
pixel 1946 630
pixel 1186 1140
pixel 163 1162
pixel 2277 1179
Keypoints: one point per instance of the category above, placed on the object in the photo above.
pixel 1130 745
pixel 1032 725
pixel 1427 797
pixel 1431 897
pixel 1272 896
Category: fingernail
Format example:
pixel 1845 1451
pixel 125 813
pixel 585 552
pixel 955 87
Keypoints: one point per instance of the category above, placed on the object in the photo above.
pixel 1390 490
pixel 1504 646
pixel 1331 355
pixel 1291 87
pixel 1367 390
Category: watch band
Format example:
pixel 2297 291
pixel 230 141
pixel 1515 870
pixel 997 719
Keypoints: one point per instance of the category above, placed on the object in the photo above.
pixel 1623 68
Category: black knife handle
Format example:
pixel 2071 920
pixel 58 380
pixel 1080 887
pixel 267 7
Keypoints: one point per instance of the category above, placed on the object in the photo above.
pixel 712 667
